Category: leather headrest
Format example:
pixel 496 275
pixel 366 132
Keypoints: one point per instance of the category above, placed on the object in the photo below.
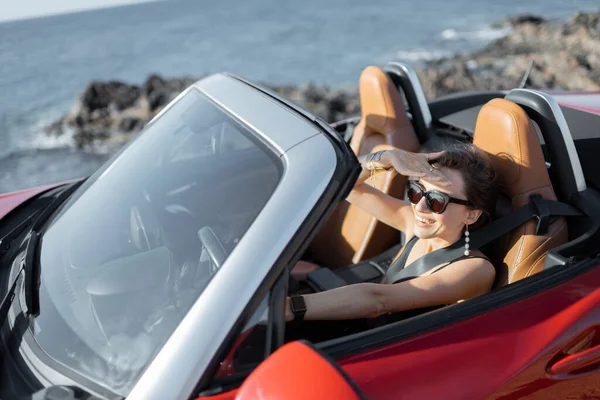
pixel 380 103
pixel 505 132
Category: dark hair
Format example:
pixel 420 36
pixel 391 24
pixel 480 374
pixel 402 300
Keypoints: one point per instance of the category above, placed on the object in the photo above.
pixel 478 174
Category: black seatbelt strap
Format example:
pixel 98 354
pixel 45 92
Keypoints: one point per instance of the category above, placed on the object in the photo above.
pixel 400 262
pixel 536 208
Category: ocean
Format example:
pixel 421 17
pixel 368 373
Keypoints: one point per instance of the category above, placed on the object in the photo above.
pixel 46 62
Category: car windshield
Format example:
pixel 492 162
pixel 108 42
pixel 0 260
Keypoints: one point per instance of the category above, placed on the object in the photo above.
pixel 135 246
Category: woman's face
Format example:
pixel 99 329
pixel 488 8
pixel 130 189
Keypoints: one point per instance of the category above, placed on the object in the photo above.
pixel 450 223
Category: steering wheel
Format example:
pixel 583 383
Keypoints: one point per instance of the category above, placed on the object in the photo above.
pixel 213 247
pixel 145 229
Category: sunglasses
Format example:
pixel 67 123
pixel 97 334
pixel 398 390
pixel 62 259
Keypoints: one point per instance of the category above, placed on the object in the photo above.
pixel 436 201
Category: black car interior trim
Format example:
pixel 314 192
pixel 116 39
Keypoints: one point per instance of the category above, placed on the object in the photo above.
pixel 454 103
pixel 402 81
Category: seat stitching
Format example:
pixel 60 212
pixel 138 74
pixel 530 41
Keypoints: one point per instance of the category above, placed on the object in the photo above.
pixel 518 256
pixel 562 224
pixel 540 257
pixel 557 226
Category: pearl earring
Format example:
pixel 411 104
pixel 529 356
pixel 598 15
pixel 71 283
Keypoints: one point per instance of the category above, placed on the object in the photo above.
pixel 467 240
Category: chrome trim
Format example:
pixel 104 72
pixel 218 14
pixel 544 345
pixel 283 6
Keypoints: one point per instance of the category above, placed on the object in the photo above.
pixel 566 134
pixel 284 129
pixel 416 84
pixel 179 365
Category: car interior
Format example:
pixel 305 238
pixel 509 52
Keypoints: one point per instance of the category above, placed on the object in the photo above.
pixel 527 139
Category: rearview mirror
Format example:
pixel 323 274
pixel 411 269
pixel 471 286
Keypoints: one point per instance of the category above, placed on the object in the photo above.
pixel 298 371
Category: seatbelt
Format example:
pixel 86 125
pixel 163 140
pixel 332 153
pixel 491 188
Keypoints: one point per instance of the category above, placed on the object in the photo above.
pixel 536 208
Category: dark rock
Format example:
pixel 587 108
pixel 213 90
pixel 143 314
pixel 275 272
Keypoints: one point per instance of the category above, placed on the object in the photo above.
pixel 152 84
pixel 525 19
pixel 130 124
pixel 95 96
pixel 100 95
pixel 89 135
pixel 338 103
pixel 156 91
pixel 313 94
pixel 157 99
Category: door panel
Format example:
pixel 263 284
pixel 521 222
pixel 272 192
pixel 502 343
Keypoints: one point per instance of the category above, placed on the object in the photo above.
pixel 502 354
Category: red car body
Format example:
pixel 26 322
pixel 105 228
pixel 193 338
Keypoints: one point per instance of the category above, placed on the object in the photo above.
pixel 473 359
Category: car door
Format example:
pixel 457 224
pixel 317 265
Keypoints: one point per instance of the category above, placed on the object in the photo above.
pixel 543 346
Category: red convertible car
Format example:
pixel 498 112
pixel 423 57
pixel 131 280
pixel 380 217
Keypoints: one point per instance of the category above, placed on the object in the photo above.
pixel 165 273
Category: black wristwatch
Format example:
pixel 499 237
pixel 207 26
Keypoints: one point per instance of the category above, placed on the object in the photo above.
pixel 298 306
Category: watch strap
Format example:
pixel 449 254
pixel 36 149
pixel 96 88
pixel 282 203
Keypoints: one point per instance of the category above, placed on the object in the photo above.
pixel 298 307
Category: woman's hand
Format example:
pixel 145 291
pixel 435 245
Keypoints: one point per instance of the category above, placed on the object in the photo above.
pixel 415 164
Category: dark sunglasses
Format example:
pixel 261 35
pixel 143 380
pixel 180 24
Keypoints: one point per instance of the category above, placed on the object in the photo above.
pixel 436 201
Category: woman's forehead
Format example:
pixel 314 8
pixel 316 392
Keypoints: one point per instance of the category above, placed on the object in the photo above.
pixel 457 189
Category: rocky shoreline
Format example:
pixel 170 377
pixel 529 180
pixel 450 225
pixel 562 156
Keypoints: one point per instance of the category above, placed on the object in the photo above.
pixel 565 57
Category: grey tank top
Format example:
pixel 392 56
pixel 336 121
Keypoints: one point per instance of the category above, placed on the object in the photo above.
pixel 396 273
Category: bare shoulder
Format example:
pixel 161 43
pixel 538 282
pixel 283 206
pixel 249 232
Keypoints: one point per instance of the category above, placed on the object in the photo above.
pixel 477 267
pixel 461 280
pixel 472 270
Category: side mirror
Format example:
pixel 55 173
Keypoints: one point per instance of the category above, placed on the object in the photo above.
pixel 297 371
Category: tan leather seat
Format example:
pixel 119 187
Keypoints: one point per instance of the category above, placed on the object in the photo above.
pixel 505 132
pixel 351 235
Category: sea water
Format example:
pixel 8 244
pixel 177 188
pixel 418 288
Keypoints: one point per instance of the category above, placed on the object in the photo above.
pixel 46 62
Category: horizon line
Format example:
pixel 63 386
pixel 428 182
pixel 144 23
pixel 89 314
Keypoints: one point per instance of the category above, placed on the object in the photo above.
pixel 128 3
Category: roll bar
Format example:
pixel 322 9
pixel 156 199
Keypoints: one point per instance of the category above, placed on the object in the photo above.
pixel 405 77
pixel 543 109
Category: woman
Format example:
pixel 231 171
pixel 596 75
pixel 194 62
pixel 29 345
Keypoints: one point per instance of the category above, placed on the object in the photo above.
pixel 453 196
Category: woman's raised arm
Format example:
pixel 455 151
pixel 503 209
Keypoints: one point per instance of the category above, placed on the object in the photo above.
pixel 390 210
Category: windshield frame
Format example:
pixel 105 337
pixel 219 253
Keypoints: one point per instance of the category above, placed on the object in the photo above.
pixel 269 151
pixel 311 161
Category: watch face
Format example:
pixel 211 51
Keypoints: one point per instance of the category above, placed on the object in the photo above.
pixel 298 304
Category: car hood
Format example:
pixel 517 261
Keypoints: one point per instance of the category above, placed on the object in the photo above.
pixel 10 201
